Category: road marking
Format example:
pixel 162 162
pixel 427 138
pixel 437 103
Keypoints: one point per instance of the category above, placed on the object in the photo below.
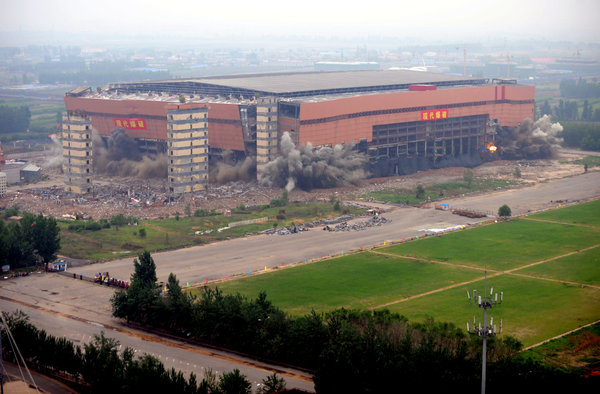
pixel 494 273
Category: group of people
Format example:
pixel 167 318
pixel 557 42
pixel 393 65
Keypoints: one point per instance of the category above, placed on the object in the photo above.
pixel 104 278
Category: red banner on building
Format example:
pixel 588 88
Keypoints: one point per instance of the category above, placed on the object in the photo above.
pixel 434 114
pixel 130 123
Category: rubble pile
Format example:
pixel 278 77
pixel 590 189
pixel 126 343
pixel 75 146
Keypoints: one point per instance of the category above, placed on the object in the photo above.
pixel 359 226
pixel 469 213
pixel 285 230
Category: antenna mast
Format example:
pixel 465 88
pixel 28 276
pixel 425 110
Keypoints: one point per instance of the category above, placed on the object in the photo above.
pixel 487 330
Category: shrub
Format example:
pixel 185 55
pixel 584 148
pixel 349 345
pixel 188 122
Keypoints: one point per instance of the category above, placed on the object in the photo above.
pixel 504 211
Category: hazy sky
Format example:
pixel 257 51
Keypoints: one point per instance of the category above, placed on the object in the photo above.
pixel 433 20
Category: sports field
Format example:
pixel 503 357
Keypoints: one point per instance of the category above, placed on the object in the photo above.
pixel 547 265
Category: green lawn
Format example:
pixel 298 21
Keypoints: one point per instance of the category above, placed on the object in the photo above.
pixel 582 267
pixel 503 245
pixel 173 233
pixel 438 191
pixel 533 310
pixel 358 281
pixel 588 213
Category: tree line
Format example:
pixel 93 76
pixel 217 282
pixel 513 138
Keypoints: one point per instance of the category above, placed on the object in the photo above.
pixel 14 119
pixel 581 135
pixel 30 240
pixel 569 110
pixel 348 350
pixel 100 368
pixel 579 89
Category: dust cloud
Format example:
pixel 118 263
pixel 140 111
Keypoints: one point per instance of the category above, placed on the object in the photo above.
pixel 531 140
pixel 227 170
pixel 307 167
pixel 122 157
pixel 54 156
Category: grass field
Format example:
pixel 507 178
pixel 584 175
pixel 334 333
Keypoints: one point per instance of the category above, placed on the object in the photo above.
pixel 582 267
pixel 538 303
pixel 175 233
pixel 588 213
pixel 502 246
pixel 358 281
pixel 438 191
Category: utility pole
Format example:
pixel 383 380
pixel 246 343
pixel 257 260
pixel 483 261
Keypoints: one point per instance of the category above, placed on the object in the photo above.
pixel 486 330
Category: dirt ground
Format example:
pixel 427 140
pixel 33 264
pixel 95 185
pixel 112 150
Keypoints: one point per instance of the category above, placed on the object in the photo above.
pixel 136 197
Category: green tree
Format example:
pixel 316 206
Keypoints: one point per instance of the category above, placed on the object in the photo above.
pixel 187 210
pixel 468 177
pixel 545 109
pixel 178 304
pixel 141 302
pixel 102 366
pixel 420 192
pixel 234 383
pixel 46 239
pixel 504 211
pixel 272 384
pixel 586 113
pixel 142 233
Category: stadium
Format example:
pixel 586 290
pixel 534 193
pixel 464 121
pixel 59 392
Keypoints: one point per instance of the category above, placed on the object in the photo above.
pixel 402 120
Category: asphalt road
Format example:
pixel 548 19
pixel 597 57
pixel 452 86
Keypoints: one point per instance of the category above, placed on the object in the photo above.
pixel 79 309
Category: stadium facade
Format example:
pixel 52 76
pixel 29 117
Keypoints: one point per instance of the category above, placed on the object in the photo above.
pixel 403 120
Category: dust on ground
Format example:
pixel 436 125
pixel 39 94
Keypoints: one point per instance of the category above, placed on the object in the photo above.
pixel 150 199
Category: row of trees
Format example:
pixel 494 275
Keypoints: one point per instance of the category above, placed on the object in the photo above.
pixel 569 110
pixel 31 240
pixel 579 89
pixel 100 368
pixel 580 135
pixel 349 350
pixel 14 119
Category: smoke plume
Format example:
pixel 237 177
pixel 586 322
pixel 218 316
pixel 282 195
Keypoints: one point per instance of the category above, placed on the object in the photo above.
pixel 122 157
pixel 54 157
pixel 531 140
pixel 227 170
pixel 307 167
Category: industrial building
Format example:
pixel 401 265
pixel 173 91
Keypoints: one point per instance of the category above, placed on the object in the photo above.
pixel 403 120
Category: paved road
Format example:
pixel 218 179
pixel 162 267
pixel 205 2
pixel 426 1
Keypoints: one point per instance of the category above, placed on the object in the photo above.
pixel 237 256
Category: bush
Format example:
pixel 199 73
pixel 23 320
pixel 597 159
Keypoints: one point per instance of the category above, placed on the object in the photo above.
pixel 468 177
pixel 504 211
pixel 420 192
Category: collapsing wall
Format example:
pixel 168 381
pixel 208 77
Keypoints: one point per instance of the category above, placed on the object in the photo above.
pixel 404 148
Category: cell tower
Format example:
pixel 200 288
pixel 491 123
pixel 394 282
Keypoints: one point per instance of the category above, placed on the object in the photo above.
pixel 486 330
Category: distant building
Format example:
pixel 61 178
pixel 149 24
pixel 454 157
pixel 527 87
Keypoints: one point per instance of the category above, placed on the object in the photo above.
pixel 2 184
pixel 77 152
pixel 30 173
pixel 403 120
